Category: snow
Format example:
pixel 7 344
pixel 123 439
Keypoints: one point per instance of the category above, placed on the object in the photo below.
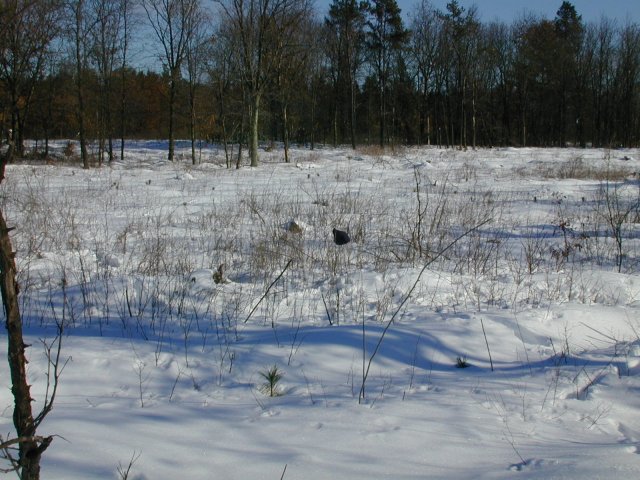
pixel 164 363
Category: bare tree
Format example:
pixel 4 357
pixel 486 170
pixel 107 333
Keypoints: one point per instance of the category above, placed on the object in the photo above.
pixel 601 41
pixel 105 49
pixel 227 119
pixel 261 30
pixel 621 206
pixel 30 445
pixel 173 23
pixel 627 79
pixel 424 44
pixel 27 29
pixel 198 48
pixel 386 36
pixel 125 36
pixel 291 73
pixel 461 30
pixel 78 31
pixel 317 67
pixel 345 25
pixel 500 50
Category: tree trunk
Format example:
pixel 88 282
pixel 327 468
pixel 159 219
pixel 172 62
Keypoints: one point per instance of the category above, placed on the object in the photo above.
pixel 192 126
pixel 382 112
pixel 225 143
pixel 285 132
pixel 80 85
pixel 524 128
pixel 241 139
pixel 473 117
pixel 30 449
pixel 108 121
pixel 353 112
pixel 335 124
pixel 253 129
pixel 123 77
pixel 82 135
pixel 17 126
pixel 172 101
pixel 313 119
pixel 123 109
pixel 462 83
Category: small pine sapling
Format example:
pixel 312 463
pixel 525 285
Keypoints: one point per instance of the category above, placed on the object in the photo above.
pixel 271 378
pixel 461 362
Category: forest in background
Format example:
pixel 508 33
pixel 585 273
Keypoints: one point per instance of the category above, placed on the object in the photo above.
pixel 241 72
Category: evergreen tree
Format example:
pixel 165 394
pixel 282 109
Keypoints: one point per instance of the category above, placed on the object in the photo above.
pixel 386 36
pixel 461 30
pixel 569 30
pixel 345 24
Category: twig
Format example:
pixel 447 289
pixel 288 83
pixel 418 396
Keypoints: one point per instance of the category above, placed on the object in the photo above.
pixel 34 438
pixel 267 291
pixel 52 383
pixel 524 345
pixel 294 349
pixel 123 472
pixel 408 295
pixel 487 342
pixel 326 309
pixel 614 340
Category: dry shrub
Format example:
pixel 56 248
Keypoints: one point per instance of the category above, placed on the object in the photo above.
pixel 577 169
pixel 69 150
pixel 376 151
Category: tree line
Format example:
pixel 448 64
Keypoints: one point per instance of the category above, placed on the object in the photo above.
pixel 240 72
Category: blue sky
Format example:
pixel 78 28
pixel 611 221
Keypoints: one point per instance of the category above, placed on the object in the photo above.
pixel 508 10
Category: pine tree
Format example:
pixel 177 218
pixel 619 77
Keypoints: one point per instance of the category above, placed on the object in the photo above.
pixel 345 24
pixel 386 36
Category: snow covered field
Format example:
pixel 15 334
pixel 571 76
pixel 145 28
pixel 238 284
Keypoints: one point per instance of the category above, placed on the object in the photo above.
pixel 167 353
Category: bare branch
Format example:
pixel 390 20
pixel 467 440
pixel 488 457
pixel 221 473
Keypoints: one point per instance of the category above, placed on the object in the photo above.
pixel 408 295
pixel 267 291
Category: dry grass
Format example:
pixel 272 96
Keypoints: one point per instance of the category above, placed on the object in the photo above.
pixel 376 151
pixel 578 169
